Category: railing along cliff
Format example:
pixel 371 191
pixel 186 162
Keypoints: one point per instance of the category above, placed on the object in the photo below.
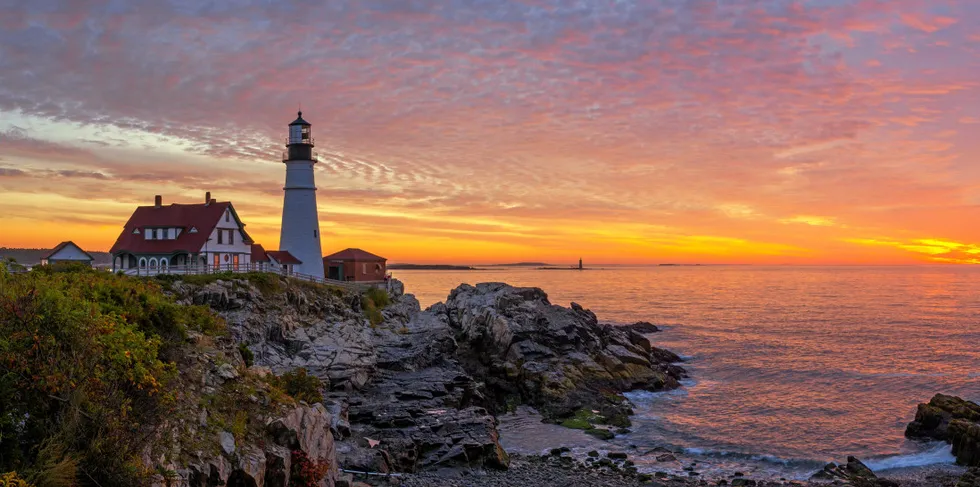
pixel 245 268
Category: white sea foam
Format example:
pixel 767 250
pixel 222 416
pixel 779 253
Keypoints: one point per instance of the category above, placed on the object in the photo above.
pixel 940 453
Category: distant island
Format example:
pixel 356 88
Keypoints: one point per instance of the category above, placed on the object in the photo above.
pixel 521 264
pixel 430 267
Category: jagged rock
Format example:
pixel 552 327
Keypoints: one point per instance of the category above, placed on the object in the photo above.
pixel 854 472
pixel 953 420
pixel 227 372
pixel 278 461
pixel 319 330
pixel 307 428
pixel 554 358
pixel 227 442
pixel 251 468
pixel 396 288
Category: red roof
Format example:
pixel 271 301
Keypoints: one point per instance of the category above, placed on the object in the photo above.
pixel 61 246
pixel 355 255
pixel 283 257
pixel 258 253
pixel 202 217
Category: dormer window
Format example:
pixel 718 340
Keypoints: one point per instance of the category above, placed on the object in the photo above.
pixel 192 230
pixel 136 231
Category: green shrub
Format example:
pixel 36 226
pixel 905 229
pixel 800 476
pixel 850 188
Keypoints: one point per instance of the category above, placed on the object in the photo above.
pixel 379 296
pixel 85 375
pixel 300 385
pixel 247 354
pixel 371 311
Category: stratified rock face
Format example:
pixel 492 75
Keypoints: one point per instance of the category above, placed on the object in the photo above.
pixel 323 332
pixel 555 358
pixel 953 420
pixel 421 409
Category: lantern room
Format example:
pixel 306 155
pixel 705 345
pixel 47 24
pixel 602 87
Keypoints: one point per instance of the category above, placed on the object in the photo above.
pixel 299 131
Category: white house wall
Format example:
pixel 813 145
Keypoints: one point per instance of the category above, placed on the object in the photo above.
pixel 70 252
pixel 241 248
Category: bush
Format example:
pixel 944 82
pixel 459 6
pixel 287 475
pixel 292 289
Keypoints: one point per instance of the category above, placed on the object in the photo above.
pixel 11 479
pixel 371 311
pixel 85 376
pixel 247 354
pixel 379 296
pixel 300 385
pixel 303 472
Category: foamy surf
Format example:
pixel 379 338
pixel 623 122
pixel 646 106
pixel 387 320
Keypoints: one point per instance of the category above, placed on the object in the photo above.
pixel 939 453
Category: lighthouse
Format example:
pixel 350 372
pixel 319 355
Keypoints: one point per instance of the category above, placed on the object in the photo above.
pixel 300 232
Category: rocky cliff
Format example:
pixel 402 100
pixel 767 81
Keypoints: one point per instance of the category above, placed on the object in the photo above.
pixel 420 390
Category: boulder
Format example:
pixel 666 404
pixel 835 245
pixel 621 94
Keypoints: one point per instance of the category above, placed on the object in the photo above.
pixel 854 472
pixel 557 359
pixel 307 428
pixel 953 420
pixel 643 327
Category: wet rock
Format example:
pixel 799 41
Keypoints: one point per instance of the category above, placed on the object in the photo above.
pixel 854 472
pixel 666 457
pixel 644 327
pixel 970 479
pixel 953 420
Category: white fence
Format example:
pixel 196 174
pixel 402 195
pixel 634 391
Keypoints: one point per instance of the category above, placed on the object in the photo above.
pixel 244 268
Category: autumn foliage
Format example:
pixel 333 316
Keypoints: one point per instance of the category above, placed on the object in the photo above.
pixel 85 373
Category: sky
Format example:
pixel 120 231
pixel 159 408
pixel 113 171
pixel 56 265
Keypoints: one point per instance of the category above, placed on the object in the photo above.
pixel 483 131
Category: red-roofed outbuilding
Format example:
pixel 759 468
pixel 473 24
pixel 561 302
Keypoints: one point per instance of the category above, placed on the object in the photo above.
pixel 355 265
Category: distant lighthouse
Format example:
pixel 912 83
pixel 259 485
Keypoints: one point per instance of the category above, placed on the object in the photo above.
pixel 300 232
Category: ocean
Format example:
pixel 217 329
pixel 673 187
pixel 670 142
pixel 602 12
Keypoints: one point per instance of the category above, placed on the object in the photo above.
pixel 790 367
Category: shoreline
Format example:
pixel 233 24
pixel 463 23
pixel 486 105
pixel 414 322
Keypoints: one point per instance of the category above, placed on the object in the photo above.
pixel 556 469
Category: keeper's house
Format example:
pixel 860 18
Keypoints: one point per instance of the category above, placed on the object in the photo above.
pixel 204 235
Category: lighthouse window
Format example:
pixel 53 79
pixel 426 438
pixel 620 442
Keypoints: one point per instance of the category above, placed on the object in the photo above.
pixel 314 233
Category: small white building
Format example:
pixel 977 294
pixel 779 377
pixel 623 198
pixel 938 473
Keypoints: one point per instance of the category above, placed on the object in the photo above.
pixel 189 237
pixel 67 252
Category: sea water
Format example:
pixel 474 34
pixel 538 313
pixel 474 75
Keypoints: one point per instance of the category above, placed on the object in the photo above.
pixel 790 367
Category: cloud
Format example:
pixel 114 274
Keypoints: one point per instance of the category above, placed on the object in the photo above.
pixel 701 118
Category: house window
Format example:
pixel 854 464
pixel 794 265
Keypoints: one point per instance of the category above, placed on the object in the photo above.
pixel 217 260
pixel 227 216
pixel 221 236
pixel 363 268
pixel 236 262
pixel 231 237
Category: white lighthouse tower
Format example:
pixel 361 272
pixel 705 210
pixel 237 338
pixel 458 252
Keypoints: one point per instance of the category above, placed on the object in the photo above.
pixel 300 233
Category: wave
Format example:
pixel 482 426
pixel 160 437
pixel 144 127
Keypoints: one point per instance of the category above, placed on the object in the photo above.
pixel 938 454
pixel 707 452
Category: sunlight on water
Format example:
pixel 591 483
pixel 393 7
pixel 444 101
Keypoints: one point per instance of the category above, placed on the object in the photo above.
pixel 788 365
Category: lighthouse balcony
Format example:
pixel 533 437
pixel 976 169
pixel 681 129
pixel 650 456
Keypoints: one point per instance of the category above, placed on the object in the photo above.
pixel 297 154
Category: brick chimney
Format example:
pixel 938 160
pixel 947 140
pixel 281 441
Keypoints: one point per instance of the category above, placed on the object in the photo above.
pixel 158 201
pixel 207 198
